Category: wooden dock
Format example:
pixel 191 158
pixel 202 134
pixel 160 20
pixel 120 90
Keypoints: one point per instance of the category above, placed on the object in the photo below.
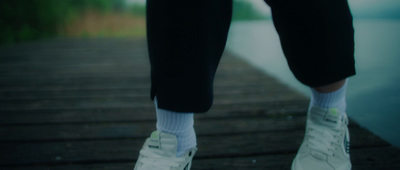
pixel 84 104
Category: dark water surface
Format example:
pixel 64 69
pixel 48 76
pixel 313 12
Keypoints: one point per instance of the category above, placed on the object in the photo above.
pixel 373 95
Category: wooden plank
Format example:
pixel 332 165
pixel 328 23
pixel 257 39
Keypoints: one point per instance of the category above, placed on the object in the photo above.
pixel 131 80
pixel 111 130
pixel 113 46
pixel 134 114
pixel 212 146
pixel 115 102
pixel 118 85
pixel 84 104
pixel 105 130
pixel 127 68
pixel 20 98
pixel 124 92
pixel 383 158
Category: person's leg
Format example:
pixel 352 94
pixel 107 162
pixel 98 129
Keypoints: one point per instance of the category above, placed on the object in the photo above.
pixel 317 38
pixel 186 40
pixel 330 96
pixel 179 124
pixel 330 87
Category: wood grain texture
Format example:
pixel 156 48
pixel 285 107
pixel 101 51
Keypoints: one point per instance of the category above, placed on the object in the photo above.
pixel 84 104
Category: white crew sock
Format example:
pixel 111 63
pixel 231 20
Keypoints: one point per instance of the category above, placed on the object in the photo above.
pixel 179 124
pixel 335 99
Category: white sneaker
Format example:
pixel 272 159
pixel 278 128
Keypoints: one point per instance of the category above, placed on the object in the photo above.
pixel 326 142
pixel 159 153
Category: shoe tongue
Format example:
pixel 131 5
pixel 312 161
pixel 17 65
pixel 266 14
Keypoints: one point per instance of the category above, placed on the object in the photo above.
pixel 163 143
pixel 328 117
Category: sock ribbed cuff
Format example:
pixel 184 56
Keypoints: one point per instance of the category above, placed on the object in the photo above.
pixel 178 124
pixel 336 99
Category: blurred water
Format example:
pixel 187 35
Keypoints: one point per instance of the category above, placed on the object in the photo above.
pixel 373 93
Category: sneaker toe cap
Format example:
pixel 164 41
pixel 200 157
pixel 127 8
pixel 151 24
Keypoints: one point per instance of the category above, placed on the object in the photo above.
pixel 310 163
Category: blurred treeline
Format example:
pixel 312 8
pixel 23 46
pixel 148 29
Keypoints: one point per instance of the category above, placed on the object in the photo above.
pixel 22 20
pixel 243 10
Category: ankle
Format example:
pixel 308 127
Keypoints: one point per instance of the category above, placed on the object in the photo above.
pixel 178 124
pixel 335 99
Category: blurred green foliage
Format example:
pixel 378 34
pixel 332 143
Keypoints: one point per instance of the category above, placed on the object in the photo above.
pixel 22 20
pixel 243 10
pixel 138 9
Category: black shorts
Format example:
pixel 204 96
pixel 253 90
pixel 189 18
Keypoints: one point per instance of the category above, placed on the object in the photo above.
pixel 187 38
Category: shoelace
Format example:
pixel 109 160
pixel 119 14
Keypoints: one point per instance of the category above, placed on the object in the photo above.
pixel 152 160
pixel 323 139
